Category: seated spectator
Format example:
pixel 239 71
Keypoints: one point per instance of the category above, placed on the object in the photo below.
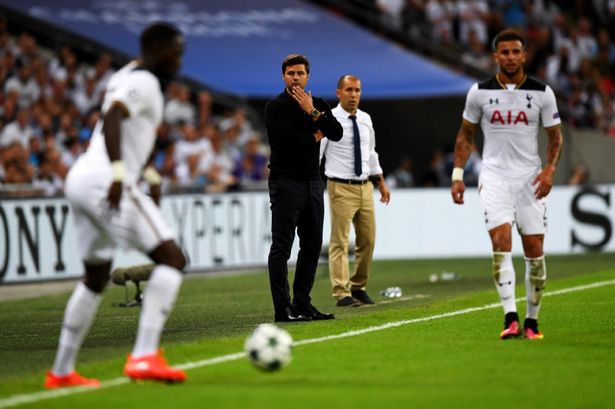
pixel 35 150
pixel 179 109
pixel 23 83
pixel 16 167
pixel 251 167
pixel 47 178
pixel 191 142
pixel 436 174
pixel 402 176
pixel 580 175
pixel 476 54
pixel 189 176
pixel 440 14
pixel 237 128
pixel 86 98
pixel 17 131
pixel 473 16
pixel 219 167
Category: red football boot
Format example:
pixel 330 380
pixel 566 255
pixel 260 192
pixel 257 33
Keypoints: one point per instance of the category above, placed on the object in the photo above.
pixel 53 381
pixel 152 367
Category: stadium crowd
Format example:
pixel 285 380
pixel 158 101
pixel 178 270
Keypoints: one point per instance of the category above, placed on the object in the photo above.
pixel 570 44
pixel 50 103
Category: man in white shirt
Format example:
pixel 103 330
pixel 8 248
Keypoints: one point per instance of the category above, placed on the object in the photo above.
pixel 109 211
pixel 513 185
pixel 349 165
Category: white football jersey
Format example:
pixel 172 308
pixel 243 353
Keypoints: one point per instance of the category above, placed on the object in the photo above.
pixel 509 117
pixel 139 92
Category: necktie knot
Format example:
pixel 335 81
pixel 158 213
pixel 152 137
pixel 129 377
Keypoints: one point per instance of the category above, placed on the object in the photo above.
pixel 358 168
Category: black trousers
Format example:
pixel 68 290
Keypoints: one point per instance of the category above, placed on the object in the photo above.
pixel 295 206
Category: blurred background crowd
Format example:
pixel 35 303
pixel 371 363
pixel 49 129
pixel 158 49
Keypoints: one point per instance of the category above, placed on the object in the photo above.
pixel 51 95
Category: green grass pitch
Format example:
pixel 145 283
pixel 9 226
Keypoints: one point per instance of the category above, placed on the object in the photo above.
pixel 455 360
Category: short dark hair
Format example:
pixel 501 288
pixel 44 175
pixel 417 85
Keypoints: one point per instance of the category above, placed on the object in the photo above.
pixel 294 59
pixel 340 82
pixel 507 35
pixel 158 33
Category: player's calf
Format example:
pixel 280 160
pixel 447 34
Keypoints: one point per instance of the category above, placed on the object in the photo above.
pixel 536 278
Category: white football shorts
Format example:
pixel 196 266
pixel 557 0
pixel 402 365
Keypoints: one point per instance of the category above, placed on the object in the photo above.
pixel 508 201
pixel 138 224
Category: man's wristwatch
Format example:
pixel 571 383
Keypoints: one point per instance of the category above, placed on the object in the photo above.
pixel 315 113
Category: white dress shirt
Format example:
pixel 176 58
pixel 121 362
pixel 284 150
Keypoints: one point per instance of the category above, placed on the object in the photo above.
pixel 340 155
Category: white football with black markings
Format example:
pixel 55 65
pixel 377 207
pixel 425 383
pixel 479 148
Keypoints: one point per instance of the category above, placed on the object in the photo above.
pixel 269 348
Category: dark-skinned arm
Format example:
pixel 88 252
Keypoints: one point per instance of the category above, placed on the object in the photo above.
pixel 112 131
pixel 544 180
pixel 463 149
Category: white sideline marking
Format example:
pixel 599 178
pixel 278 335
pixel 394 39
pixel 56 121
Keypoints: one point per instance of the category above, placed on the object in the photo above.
pixel 44 395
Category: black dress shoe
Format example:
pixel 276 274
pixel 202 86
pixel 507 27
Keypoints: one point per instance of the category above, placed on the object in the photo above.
pixel 311 312
pixel 288 314
pixel 362 296
pixel 348 301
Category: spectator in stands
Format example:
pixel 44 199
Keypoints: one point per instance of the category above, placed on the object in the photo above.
pixel 440 15
pixel 8 110
pixel 189 176
pixel 85 98
pixel 436 175
pixel 402 176
pixel 580 175
pixel 103 70
pixel 476 55
pixel 18 130
pixel 47 179
pixel 191 142
pixel 27 46
pixel 391 11
pixel 16 167
pixel 205 105
pixel 35 150
pixel 251 167
pixel 473 16
pixel 240 128
pixel 219 166
pixel 179 109
pixel 23 83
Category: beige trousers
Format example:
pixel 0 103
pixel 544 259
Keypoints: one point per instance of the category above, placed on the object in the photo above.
pixel 350 204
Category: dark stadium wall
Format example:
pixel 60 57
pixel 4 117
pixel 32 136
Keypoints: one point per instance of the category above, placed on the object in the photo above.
pixel 411 128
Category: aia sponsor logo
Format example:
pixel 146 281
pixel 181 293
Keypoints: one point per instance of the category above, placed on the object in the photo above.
pixel 509 118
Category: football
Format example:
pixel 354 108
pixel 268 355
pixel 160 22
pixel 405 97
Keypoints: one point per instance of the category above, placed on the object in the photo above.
pixel 269 348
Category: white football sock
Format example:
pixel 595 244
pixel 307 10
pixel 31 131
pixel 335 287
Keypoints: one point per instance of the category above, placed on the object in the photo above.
pixel 158 300
pixel 504 278
pixel 535 279
pixel 78 315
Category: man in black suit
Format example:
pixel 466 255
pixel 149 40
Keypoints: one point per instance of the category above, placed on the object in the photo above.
pixel 296 123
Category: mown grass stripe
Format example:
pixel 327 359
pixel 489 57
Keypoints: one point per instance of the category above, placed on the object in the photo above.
pixel 45 395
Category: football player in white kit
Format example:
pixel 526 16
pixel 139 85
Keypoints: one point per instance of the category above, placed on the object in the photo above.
pixel 109 211
pixel 513 184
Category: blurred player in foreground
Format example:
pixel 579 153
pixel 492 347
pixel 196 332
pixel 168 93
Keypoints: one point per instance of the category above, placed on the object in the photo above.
pixel 109 210
pixel 513 185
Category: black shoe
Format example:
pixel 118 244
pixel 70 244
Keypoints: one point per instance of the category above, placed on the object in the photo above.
pixel 348 302
pixel 362 296
pixel 311 312
pixel 288 314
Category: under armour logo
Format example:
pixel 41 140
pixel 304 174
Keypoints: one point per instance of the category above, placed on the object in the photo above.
pixel 529 100
pixel 491 101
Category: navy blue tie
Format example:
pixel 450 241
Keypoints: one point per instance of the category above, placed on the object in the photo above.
pixel 357 146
